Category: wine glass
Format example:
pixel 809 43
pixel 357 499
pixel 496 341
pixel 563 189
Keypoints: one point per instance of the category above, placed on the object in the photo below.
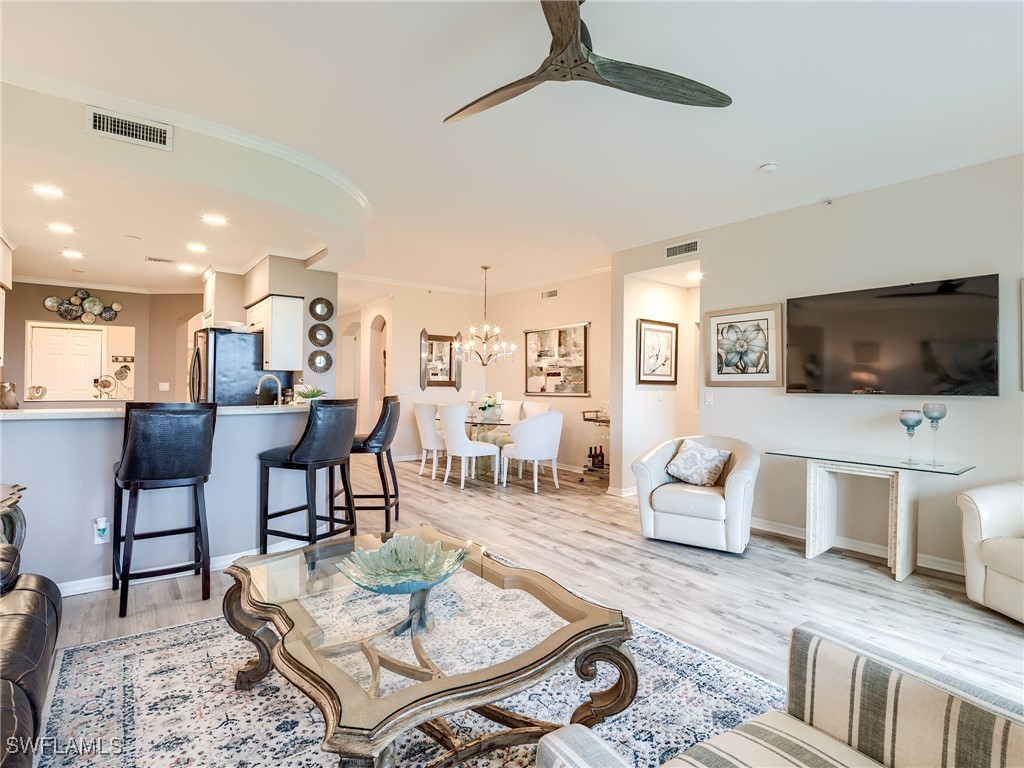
pixel 910 419
pixel 934 412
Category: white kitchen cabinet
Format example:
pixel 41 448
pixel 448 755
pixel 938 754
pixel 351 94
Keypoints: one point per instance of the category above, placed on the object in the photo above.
pixel 280 319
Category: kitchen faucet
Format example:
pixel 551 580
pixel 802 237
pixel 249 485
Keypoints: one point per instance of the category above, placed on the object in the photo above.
pixel 259 384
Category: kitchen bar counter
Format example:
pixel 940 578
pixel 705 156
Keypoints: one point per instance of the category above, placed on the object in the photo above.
pixel 65 456
pixel 117 412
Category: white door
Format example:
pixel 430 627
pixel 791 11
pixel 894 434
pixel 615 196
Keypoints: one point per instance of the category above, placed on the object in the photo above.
pixel 65 361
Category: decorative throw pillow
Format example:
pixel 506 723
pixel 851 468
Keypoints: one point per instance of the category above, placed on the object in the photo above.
pixel 698 464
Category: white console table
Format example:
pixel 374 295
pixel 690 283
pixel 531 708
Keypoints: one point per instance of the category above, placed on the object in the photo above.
pixel 822 468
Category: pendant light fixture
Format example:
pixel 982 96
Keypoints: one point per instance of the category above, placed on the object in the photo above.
pixel 485 344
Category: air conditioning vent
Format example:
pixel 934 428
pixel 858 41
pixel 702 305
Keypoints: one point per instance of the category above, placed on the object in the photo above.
pixel 155 260
pixel 130 129
pixel 549 294
pixel 682 249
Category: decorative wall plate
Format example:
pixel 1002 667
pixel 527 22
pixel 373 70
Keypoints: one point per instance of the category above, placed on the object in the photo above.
pixel 320 334
pixel 320 361
pixel 69 311
pixel 76 300
pixel 321 309
pixel 117 306
pixel 82 294
pixel 92 304
pixel 88 318
pixel 108 314
pixel 51 303
pixel 122 373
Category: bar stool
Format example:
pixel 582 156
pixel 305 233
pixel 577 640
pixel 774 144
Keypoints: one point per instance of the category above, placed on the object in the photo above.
pixel 166 445
pixel 326 443
pixel 378 442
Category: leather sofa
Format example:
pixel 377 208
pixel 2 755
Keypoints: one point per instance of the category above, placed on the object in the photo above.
pixel 715 518
pixel 30 611
pixel 849 703
pixel 993 532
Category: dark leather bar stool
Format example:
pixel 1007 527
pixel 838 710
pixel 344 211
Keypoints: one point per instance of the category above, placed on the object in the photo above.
pixel 166 445
pixel 378 442
pixel 325 444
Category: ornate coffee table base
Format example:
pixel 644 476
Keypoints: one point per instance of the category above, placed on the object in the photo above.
pixel 519 729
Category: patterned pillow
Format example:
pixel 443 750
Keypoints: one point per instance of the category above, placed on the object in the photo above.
pixel 698 464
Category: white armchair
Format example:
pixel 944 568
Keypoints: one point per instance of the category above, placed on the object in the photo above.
pixel 993 531
pixel 717 517
pixel 430 436
pixel 535 439
pixel 453 423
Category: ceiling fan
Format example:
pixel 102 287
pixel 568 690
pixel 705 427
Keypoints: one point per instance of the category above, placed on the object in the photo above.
pixel 572 57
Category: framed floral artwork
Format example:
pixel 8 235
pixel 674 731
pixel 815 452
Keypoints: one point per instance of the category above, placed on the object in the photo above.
pixel 657 350
pixel 743 347
pixel 556 361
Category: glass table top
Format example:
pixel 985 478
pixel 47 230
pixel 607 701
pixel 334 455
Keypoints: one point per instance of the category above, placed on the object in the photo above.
pixel 488 620
pixel 888 462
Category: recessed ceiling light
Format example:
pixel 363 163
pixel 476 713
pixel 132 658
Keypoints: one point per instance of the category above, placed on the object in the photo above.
pixel 694 275
pixel 768 167
pixel 186 268
pixel 71 254
pixel 196 247
pixel 61 229
pixel 46 190
pixel 215 219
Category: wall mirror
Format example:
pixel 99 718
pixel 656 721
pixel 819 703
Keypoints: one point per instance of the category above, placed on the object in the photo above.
pixel 440 366
pixel 72 361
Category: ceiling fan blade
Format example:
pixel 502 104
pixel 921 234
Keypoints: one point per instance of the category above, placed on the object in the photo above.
pixel 563 17
pixel 497 96
pixel 654 83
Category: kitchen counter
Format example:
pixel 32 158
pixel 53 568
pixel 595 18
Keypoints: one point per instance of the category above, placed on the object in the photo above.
pixel 117 412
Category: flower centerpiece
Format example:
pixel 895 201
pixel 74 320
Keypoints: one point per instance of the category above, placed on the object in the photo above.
pixel 489 407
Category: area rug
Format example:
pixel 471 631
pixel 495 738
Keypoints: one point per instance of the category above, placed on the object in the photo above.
pixel 166 698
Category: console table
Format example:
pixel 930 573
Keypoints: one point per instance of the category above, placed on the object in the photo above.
pixel 822 468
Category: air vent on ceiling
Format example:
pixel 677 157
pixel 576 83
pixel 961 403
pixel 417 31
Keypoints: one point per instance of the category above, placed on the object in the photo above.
pixel 131 129
pixel 549 294
pixel 155 260
pixel 682 249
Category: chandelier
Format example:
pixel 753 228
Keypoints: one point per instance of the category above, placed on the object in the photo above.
pixel 485 344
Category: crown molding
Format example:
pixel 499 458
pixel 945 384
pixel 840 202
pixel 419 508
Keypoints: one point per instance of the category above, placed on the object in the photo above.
pixel 79 93
pixel 6 237
pixel 102 286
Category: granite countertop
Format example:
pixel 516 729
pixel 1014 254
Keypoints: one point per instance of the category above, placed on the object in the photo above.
pixel 50 414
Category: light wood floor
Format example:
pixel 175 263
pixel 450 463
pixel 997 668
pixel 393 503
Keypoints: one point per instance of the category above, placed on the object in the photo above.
pixel 739 607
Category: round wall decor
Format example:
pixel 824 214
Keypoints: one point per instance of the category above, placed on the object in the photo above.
pixel 320 334
pixel 321 309
pixel 82 306
pixel 320 361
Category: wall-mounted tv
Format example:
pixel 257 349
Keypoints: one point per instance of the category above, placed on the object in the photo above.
pixel 937 338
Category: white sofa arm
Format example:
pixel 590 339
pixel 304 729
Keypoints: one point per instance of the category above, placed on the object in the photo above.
pixel 649 470
pixel 988 512
pixel 576 746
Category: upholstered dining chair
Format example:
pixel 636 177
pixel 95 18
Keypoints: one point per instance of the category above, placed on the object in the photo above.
pixel 453 423
pixel 532 408
pixel 534 439
pixel 511 413
pixel 993 531
pixel 430 436
pixel 716 517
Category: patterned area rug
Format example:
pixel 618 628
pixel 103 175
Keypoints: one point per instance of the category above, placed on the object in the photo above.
pixel 166 698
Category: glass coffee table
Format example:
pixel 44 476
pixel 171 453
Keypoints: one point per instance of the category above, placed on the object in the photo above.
pixel 494 630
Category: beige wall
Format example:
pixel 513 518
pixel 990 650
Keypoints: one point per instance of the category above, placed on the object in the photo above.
pixel 167 314
pixel 964 222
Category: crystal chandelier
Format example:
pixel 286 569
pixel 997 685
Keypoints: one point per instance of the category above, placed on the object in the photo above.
pixel 485 344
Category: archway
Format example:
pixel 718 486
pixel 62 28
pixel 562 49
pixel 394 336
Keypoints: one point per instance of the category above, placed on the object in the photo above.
pixel 379 373
pixel 349 362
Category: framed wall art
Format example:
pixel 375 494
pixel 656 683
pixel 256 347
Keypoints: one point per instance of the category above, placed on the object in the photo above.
pixel 556 361
pixel 743 347
pixel 657 352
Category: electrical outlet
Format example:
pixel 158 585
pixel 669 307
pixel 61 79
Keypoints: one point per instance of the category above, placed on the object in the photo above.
pixel 164 386
pixel 709 397
pixel 100 531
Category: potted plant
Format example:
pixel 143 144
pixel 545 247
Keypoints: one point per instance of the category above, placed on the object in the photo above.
pixel 489 407
pixel 309 393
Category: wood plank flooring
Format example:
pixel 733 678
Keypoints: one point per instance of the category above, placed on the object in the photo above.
pixel 739 607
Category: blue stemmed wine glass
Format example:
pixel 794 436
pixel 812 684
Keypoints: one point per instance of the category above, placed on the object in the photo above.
pixel 910 419
pixel 934 412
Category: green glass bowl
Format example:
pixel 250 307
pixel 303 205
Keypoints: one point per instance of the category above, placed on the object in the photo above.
pixel 402 565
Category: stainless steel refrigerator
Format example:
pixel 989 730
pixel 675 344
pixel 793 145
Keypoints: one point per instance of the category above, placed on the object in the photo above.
pixel 226 366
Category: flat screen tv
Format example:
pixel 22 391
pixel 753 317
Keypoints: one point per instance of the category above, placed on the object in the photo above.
pixel 937 338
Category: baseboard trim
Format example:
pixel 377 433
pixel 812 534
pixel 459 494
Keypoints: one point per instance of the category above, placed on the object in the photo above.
pixel 101 583
pixel 621 492
pixel 864 547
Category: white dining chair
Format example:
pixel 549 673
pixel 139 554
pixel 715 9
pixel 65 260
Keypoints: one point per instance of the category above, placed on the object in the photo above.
pixel 534 439
pixel 511 413
pixel 453 424
pixel 531 409
pixel 430 436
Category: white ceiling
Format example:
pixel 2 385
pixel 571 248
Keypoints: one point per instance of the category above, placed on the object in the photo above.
pixel 844 96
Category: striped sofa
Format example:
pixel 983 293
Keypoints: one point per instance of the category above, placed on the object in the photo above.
pixel 850 704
